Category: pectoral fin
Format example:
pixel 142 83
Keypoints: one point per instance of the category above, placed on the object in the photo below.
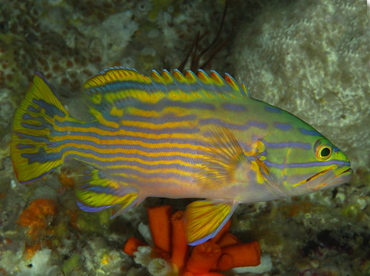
pixel 221 159
pixel 203 219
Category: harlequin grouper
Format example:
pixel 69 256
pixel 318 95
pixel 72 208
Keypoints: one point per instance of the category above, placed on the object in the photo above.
pixel 174 136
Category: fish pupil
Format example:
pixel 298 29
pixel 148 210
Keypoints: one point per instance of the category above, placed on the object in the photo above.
pixel 325 152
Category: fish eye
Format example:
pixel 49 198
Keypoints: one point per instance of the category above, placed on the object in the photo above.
pixel 322 151
pixel 325 152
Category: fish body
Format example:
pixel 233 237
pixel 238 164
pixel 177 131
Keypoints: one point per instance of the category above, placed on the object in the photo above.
pixel 174 136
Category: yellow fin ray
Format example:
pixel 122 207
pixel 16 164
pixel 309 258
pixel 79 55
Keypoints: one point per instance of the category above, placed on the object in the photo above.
pixel 216 78
pixel 97 191
pixel 203 77
pixel 115 74
pixel 190 77
pixel 120 88
pixel 203 219
pixel 156 76
pixel 221 159
pixel 33 149
pixel 167 77
pixel 178 76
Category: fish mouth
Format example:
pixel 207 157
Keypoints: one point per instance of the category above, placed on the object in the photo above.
pixel 349 170
pixel 331 177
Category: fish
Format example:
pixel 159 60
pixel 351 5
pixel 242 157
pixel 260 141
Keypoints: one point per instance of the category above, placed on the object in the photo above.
pixel 173 135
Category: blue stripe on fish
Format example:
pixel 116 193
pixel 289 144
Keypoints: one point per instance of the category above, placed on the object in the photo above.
pixel 283 126
pixel 272 109
pixel 164 130
pixel 50 109
pixel 288 144
pixel 162 104
pixel 220 122
pixel 234 107
pixel 309 132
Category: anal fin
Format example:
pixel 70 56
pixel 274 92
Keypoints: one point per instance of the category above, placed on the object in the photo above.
pixel 96 191
pixel 204 219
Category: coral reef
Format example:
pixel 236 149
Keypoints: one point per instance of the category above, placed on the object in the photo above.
pixel 69 42
pixel 309 57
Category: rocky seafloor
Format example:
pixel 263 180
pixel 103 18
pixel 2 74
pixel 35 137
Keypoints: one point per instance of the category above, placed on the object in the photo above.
pixel 311 58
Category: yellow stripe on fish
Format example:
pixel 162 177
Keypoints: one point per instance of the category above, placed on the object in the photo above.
pixel 175 136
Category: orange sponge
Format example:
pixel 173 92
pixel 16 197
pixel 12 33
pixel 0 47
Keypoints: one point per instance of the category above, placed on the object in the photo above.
pixel 37 216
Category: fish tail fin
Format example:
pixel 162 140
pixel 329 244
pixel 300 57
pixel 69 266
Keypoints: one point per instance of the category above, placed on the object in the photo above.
pixel 97 191
pixel 34 143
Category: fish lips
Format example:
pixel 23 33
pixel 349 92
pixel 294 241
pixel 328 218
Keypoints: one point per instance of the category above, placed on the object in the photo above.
pixel 332 178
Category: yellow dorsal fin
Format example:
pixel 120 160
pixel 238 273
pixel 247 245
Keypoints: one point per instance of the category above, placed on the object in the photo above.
pixel 118 80
pixel 203 77
pixel 117 88
pixel 167 77
pixel 217 79
pixel 230 80
pixel 116 74
pixel 245 89
pixel 178 76
pixel 156 76
pixel 190 77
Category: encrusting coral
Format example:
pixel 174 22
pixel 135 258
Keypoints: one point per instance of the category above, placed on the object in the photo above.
pixel 37 216
pixel 169 254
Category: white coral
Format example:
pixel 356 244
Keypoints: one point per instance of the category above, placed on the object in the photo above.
pixel 159 267
pixel 142 255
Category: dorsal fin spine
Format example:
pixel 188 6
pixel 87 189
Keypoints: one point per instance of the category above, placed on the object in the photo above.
pixel 244 90
pixel 115 74
pixel 178 76
pixel 114 84
pixel 156 76
pixel 230 80
pixel 190 77
pixel 217 79
pixel 203 77
pixel 167 77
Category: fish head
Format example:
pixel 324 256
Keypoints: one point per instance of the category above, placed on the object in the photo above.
pixel 321 166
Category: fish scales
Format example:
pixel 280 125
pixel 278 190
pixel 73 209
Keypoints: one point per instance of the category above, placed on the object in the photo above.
pixel 175 136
